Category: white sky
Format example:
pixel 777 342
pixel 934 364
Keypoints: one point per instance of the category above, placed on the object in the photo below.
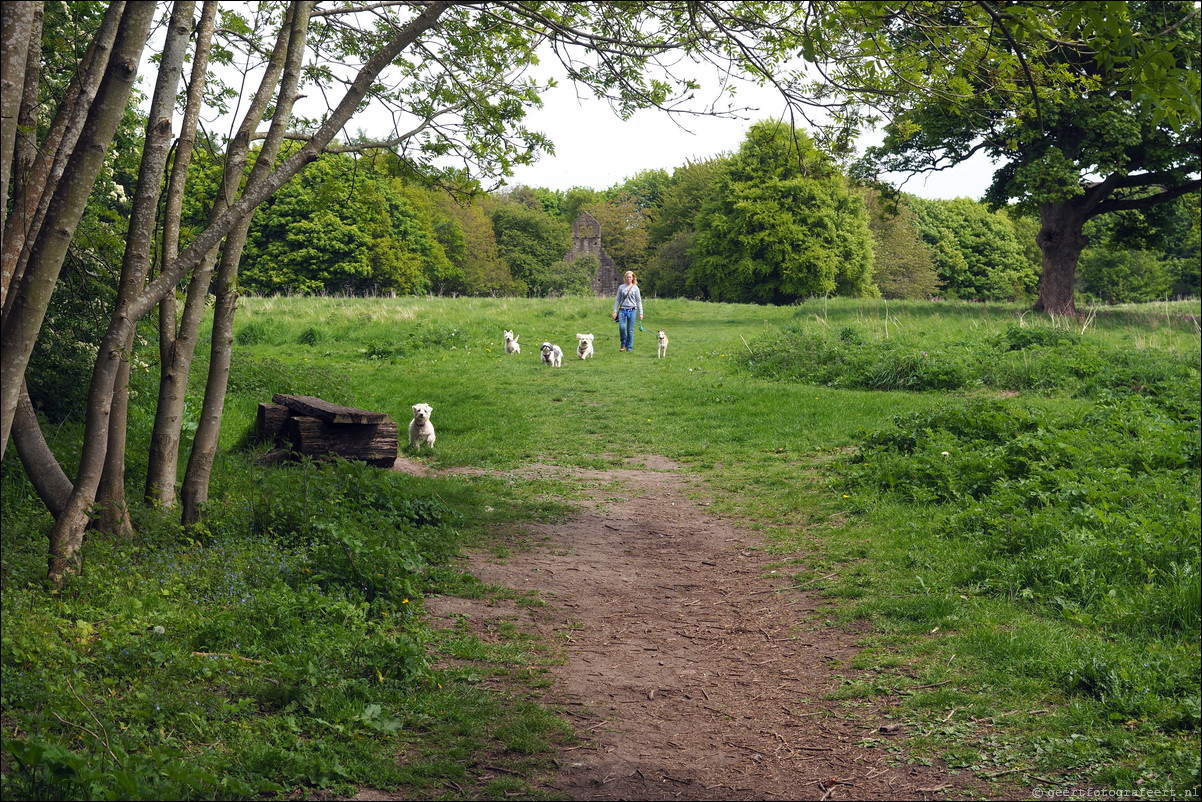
pixel 595 149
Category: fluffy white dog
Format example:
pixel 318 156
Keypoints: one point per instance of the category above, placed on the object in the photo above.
pixel 511 343
pixel 663 344
pixel 420 429
pixel 584 345
pixel 552 355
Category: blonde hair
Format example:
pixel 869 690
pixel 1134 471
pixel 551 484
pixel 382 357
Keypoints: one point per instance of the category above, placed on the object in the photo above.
pixel 632 275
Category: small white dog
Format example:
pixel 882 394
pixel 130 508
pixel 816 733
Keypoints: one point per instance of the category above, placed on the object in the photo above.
pixel 511 343
pixel 552 355
pixel 420 429
pixel 584 345
pixel 663 344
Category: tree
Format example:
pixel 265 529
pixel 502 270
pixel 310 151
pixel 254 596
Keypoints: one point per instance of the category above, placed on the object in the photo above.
pixel 902 264
pixel 341 227
pixel 1088 108
pixel 977 256
pixel 453 74
pixel 623 231
pixel 1142 255
pixel 690 187
pixel 671 268
pixel 782 225
pixel 483 270
pixel 532 243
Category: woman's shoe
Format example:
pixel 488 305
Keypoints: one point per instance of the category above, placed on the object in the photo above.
pixel 623 348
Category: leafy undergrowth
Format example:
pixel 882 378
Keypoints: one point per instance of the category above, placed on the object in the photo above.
pixel 281 647
pixel 1026 543
pixel 1033 590
pixel 1039 570
pixel 1043 359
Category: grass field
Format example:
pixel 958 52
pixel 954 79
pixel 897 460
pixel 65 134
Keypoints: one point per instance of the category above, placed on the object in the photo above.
pixel 1012 502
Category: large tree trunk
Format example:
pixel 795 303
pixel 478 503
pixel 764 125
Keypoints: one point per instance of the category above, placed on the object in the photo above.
pixel 1061 239
pixel 114 512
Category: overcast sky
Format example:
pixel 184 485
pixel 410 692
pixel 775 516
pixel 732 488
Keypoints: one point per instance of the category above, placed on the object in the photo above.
pixel 595 149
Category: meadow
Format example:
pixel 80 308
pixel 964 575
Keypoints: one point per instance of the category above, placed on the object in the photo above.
pixel 1010 502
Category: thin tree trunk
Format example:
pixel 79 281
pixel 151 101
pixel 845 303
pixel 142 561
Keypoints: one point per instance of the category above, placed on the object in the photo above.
pixel 67 208
pixel 204 446
pixel 68 531
pixel 31 298
pixel 27 120
pixel 48 478
pixel 16 23
pixel 40 182
pixel 114 512
pixel 178 338
pixel 1061 239
pixel 163 459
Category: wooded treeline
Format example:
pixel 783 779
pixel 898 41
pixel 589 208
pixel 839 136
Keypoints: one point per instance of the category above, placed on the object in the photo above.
pixel 754 226
pixel 123 207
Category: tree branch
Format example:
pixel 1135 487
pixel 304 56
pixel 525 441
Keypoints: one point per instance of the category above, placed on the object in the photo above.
pixel 1132 204
pixel 1018 53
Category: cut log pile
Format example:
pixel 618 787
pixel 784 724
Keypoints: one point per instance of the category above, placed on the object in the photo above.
pixel 311 427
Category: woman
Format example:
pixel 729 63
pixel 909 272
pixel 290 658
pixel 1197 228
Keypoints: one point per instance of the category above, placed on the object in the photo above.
pixel 626 303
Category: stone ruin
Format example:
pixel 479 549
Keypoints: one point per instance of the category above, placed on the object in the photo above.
pixel 586 241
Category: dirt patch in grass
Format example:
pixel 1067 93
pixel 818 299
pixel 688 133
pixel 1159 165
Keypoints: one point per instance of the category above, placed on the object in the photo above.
pixel 692 670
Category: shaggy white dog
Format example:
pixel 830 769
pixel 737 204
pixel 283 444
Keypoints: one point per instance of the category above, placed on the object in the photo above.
pixel 584 345
pixel 552 355
pixel 663 344
pixel 420 429
pixel 511 343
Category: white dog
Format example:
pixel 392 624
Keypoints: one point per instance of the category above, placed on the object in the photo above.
pixel 663 344
pixel 420 429
pixel 584 345
pixel 552 355
pixel 511 343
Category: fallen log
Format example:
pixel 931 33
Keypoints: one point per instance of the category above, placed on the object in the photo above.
pixel 373 443
pixel 324 410
pixel 270 424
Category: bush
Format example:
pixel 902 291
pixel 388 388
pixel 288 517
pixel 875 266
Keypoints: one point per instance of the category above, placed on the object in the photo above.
pixel 1099 530
pixel 1043 359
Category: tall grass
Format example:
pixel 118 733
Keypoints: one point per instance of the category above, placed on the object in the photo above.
pixel 1040 577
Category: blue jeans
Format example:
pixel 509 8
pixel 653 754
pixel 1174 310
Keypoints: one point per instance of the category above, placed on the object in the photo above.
pixel 626 325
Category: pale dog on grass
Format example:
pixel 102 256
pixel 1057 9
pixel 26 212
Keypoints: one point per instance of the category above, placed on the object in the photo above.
pixel 663 344
pixel 511 343
pixel 584 345
pixel 420 429
pixel 552 355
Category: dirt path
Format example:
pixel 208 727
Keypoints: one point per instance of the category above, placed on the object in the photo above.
pixel 692 672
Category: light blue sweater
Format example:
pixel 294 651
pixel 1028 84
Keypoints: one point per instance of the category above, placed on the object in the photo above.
pixel 628 297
